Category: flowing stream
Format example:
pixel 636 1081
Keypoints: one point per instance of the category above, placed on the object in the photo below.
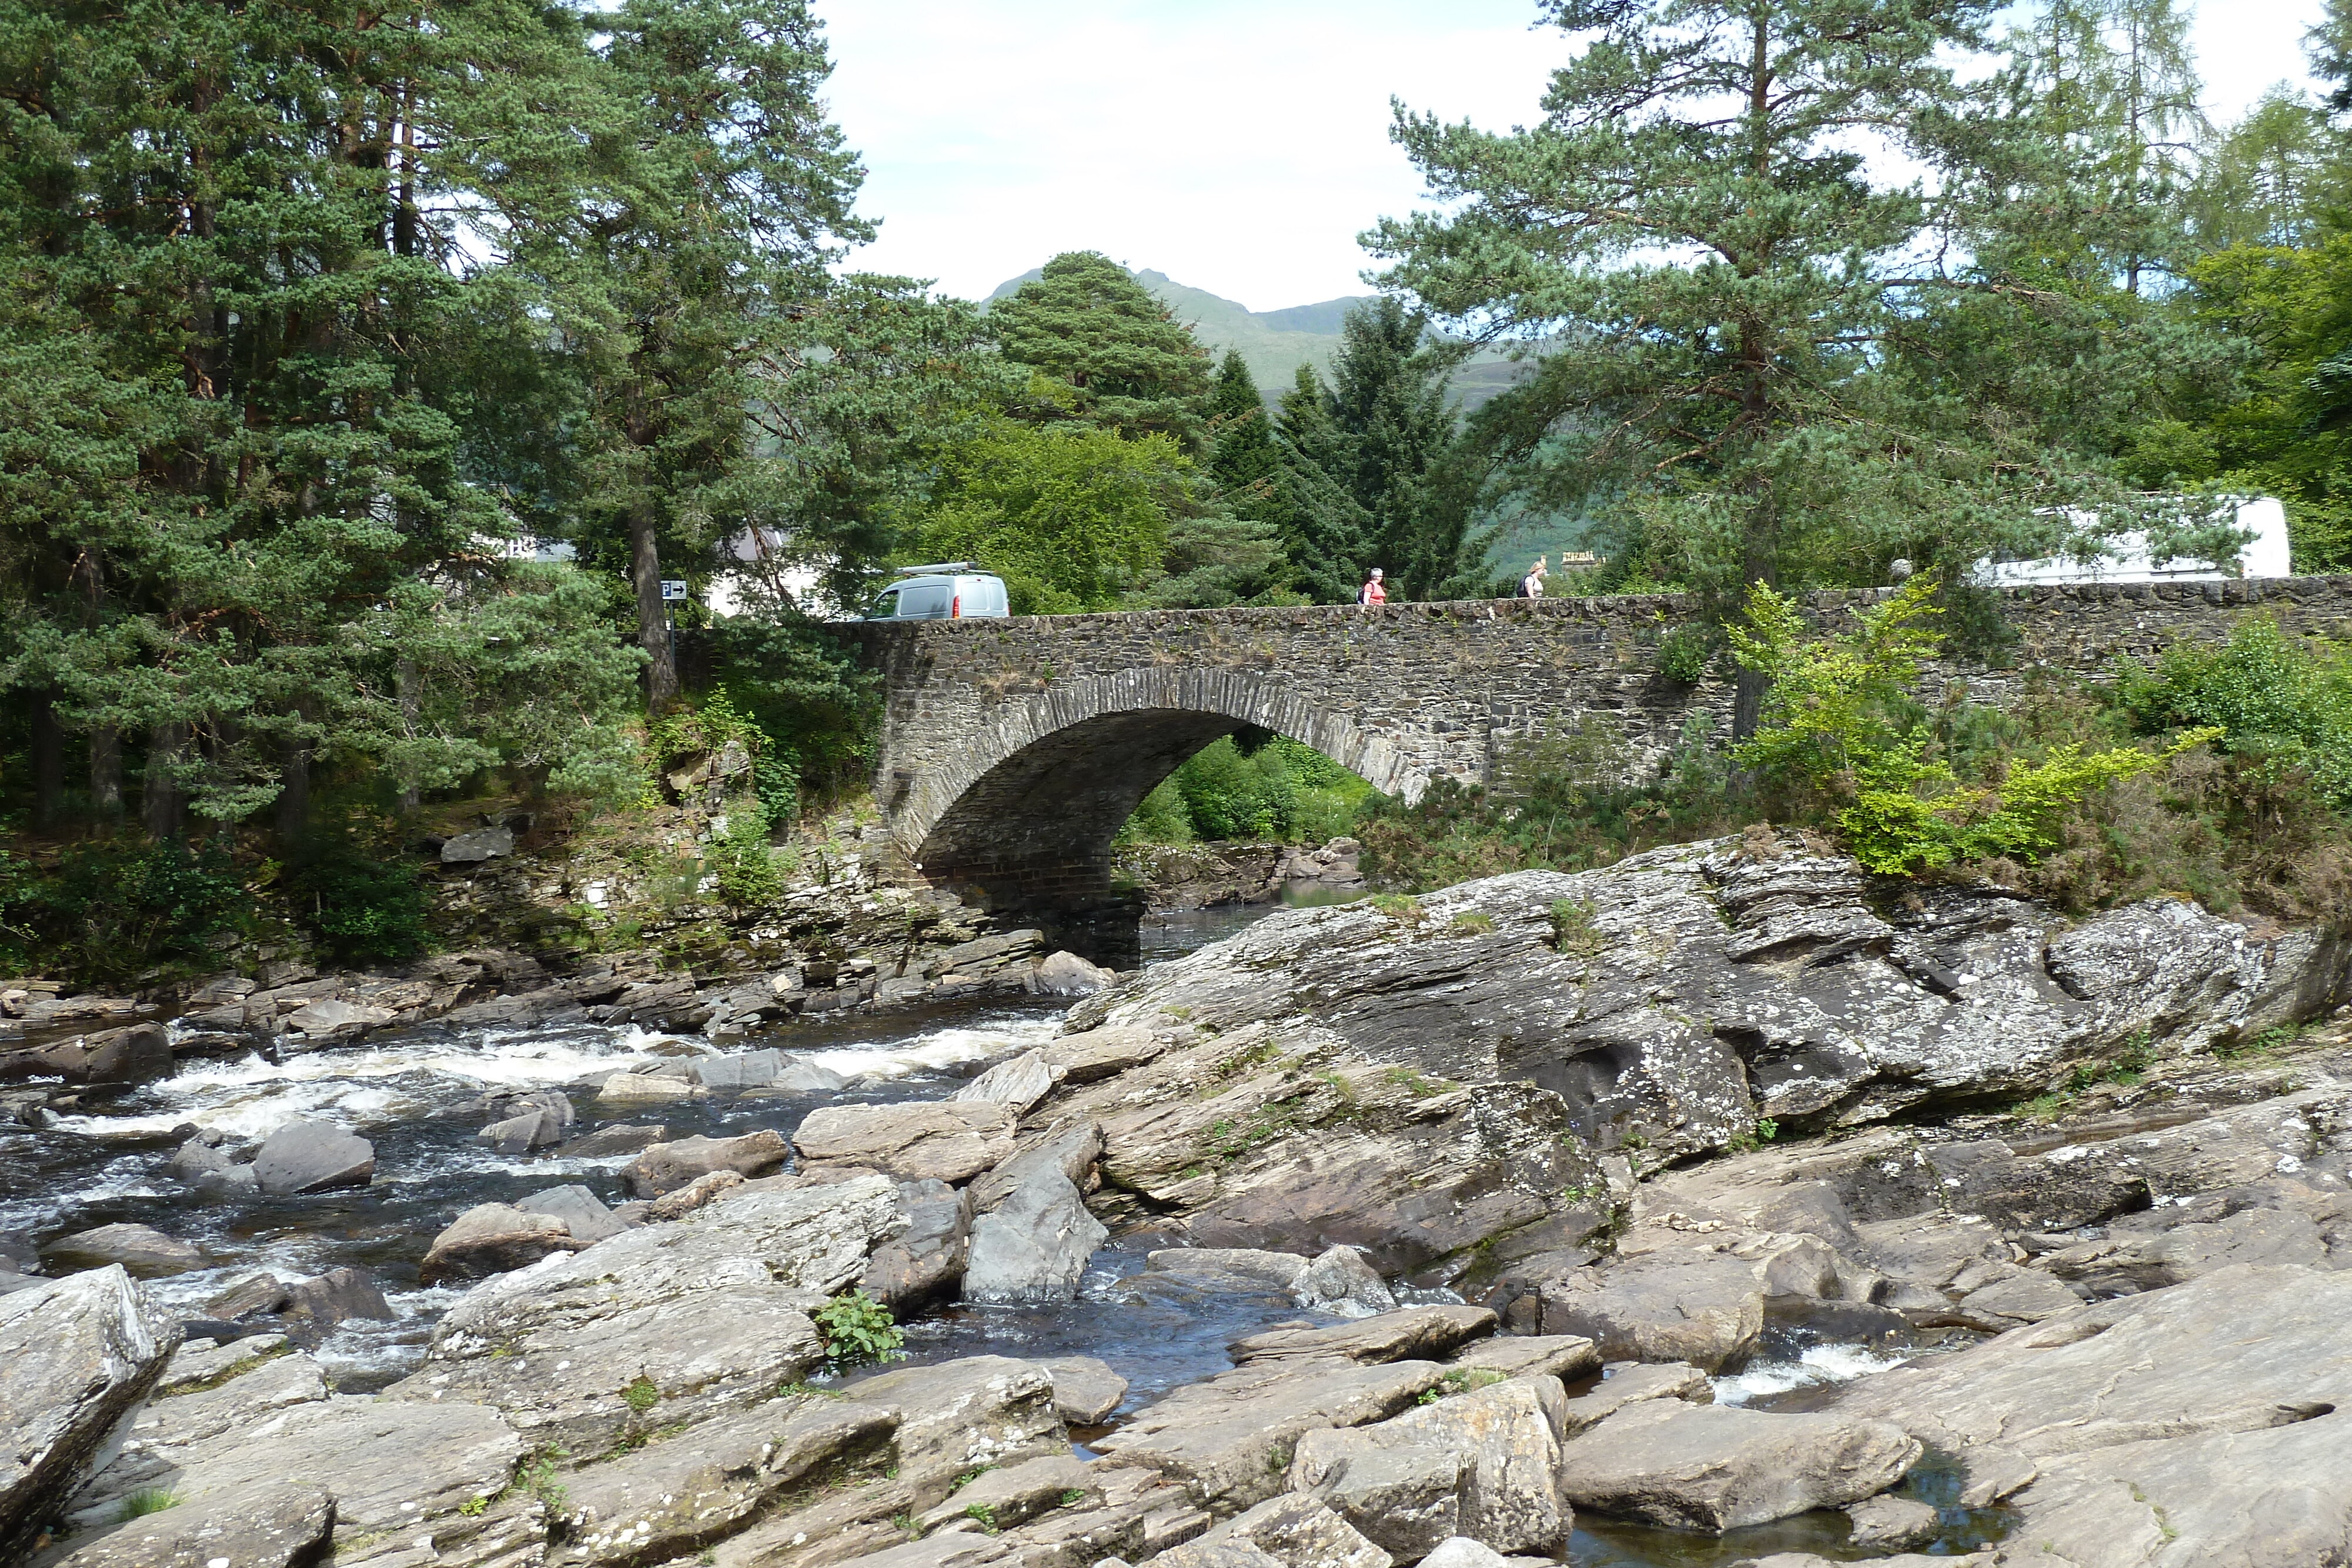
pixel 408 1094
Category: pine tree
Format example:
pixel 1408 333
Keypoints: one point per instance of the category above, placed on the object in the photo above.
pixel 1243 456
pixel 1396 449
pixel 1125 362
pixel 1327 531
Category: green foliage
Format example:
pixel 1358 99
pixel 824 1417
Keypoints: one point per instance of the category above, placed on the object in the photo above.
pixel 703 726
pixel 1071 516
pixel 1472 922
pixel 858 1329
pixel 111 909
pixel 1121 359
pixel 642 1394
pixel 361 905
pixel 1251 786
pixel 1685 653
pixel 1834 721
pixel 2281 703
pixel 1573 930
pixel 747 868
pixel 147 1500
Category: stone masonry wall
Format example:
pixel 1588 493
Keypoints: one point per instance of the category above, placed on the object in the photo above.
pixel 1013 750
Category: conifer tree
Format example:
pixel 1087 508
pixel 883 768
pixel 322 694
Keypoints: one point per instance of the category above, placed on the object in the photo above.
pixel 1125 362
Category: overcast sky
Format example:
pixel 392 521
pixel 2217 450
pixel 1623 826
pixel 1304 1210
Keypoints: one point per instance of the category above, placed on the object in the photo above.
pixel 1238 145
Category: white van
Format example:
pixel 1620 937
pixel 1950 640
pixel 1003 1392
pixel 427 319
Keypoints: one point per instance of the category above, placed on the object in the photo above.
pixel 2266 554
pixel 948 591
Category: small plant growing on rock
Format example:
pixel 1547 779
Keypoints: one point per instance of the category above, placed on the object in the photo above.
pixel 1472 922
pixel 153 1499
pixel 643 1395
pixel 1397 907
pixel 858 1329
pixel 985 1514
pixel 1573 930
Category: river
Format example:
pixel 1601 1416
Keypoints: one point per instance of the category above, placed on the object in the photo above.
pixel 408 1094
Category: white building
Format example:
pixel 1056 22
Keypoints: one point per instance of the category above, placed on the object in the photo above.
pixel 2265 555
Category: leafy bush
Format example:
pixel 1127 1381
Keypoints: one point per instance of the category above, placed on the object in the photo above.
pixel 749 874
pixel 362 907
pixel 113 909
pixel 2282 704
pixel 1685 653
pixel 858 1329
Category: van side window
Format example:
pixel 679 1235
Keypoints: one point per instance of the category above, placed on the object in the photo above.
pixel 886 607
pixel 923 598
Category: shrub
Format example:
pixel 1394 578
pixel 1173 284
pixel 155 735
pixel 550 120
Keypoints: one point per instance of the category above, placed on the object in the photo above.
pixel 858 1329
pixel 2282 704
pixel 361 906
pixel 1685 653
pixel 746 867
pixel 113 909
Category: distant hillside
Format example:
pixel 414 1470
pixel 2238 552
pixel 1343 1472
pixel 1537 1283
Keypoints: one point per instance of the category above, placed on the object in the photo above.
pixel 1274 344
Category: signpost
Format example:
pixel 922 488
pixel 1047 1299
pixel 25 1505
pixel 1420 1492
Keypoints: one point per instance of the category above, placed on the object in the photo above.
pixel 673 590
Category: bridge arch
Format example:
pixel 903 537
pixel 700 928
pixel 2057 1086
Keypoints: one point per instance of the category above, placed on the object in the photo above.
pixel 1024 811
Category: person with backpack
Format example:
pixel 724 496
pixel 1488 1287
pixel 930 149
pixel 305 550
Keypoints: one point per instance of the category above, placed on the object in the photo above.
pixel 1532 585
pixel 1374 590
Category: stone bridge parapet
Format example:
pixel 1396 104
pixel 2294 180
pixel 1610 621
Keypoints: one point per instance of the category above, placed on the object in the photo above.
pixel 1012 750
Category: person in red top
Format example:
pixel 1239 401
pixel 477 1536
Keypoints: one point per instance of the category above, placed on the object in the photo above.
pixel 1373 591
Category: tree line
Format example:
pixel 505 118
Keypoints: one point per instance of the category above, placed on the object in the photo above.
pixel 318 324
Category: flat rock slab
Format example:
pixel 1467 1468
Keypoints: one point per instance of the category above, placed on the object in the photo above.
pixel 309 1156
pixel 1631 1385
pixel 1565 1357
pixel 1230 1438
pixel 1016 1083
pixel 266 1524
pixel 1085 1391
pixel 1287 1531
pixel 1101 1053
pixel 75 1356
pixel 950 1141
pixel 144 1251
pixel 666 1167
pixel 956 1417
pixel 661 1501
pixel 1717 1467
pixel 1415 1332
pixel 1705 1308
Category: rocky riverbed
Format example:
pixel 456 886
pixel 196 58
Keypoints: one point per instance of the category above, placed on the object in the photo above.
pixel 1721 1207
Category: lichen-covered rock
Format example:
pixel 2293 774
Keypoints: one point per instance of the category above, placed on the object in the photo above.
pixel 75 1356
pixel 956 1417
pixel 1705 985
pixel 1485 1464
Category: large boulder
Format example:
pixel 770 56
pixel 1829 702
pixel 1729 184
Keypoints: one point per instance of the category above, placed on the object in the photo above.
pixel 665 1167
pixel 1033 1247
pixel 950 1141
pixel 135 1054
pixel 1704 1308
pixel 584 1214
pixel 1015 1084
pixel 75 1356
pixel 143 1250
pixel 1715 1466
pixel 309 1156
pixel 490 1238
pixel 2205 1414
pixel 1485 1464
pixel 1699 988
pixel 662 1325
pixel 925 1260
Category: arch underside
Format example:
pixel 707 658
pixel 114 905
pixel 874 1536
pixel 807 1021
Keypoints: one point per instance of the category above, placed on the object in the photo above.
pixel 1026 816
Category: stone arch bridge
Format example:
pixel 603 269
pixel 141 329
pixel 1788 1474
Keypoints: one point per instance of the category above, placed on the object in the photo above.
pixel 1013 751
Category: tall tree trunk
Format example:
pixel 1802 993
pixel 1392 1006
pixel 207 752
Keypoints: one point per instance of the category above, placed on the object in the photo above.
pixel 652 629
pixel 163 808
pixel 48 762
pixel 404 676
pixel 106 773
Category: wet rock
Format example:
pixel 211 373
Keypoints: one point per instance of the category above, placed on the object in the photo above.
pixel 309 1156
pixel 311 1307
pixel 1708 1467
pixel 1290 1532
pixel 2139 1429
pixel 956 1416
pixel 1016 1083
pixel 137 1054
pixel 925 1260
pixel 1893 1523
pixel 665 1167
pixel 1485 1464
pixel 1627 1386
pixel 583 1213
pixel 803 1076
pixel 145 1252
pixel 702 1314
pixel 1705 1308
pixel 75 1356
pixel 950 1142
pixel 1033 1247
pixel 1067 975
pixel 1070 1146
pixel 264 1524
pixel 480 845
pixel 1085 1391
pixel 743 1070
pixel 663 1499
pixel 490 1238
pixel 1101 1053
pixel 207 1152
pixel 328 1016
pixel 1340 1281
pixel 1229 1438
pixel 1235 1269
pixel 262 1292
pixel 619 1139
pixel 624 1089
pixel 1415 1331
